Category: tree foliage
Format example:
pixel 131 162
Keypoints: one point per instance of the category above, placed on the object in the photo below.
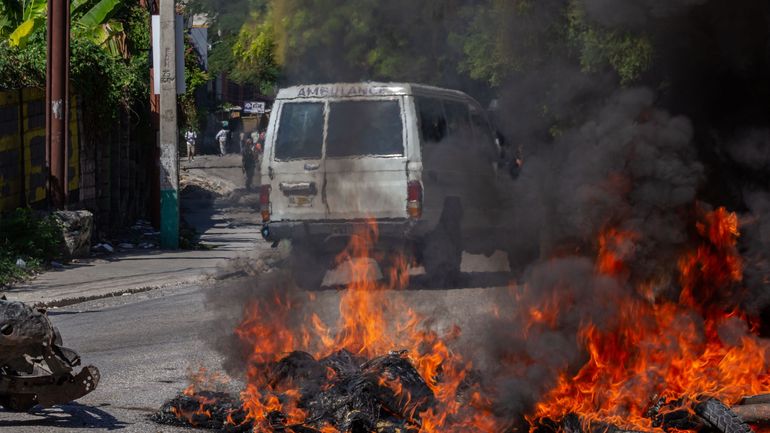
pixel 459 43
pixel 104 79
pixel 338 40
pixel 254 49
pixel 90 20
pixel 195 77
pixel 627 53
pixel 226 19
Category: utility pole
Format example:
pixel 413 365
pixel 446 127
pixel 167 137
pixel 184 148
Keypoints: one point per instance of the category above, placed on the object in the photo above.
pixel 57 100
pixel 153 161
pixel 169 160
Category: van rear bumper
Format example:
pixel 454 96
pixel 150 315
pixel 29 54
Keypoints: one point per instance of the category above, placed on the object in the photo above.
pixel 325 231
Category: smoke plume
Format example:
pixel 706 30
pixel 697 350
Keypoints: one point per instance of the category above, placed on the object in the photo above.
pixel 630 161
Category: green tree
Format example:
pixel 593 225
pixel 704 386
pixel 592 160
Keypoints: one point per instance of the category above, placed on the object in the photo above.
pixel 509 37
pixel 95 24
pixel 254 54
pixel 339 40
pixel 22 18
pixel 226 19
pixel 626 53
pixel 472 44
pixel 195 77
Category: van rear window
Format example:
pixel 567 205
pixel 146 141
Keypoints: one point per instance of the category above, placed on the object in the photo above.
pixel 300 131
pixel 365 128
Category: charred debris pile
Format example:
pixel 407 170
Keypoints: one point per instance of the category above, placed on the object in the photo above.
pixel 346 393
pixel 343 391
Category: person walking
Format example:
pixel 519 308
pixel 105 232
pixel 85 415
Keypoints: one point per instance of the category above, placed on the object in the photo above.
pixel 249 161
pixel 259 146
pixel 190 137
pixel 222 139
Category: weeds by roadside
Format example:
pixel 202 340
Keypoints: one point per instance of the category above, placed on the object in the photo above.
pixel 27 242
pixel 189 238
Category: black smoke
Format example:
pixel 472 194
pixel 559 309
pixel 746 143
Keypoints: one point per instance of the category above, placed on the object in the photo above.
pixel 635 158
pixel 639 158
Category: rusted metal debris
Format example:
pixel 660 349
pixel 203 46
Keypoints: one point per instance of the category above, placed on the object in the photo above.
pixel 359 397
pixel 35 369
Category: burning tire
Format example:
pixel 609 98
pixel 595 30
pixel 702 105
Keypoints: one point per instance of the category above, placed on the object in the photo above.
pixel 718 416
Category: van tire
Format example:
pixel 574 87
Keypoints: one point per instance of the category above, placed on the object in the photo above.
pixel 442 250
pixel 308 266
pixel 518 261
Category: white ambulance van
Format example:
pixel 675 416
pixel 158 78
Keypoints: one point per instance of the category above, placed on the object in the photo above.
pixel 421 161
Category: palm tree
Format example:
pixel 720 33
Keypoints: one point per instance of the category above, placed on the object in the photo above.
pixel 19 19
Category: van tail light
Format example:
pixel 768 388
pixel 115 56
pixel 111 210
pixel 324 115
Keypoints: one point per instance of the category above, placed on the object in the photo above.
pixel 414 199
pixel 264 202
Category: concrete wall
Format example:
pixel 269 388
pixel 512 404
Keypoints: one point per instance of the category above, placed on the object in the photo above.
pixel 23 171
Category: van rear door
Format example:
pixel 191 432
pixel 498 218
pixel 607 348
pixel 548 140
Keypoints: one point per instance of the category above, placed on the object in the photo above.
pixel 365 160
pixel 295 169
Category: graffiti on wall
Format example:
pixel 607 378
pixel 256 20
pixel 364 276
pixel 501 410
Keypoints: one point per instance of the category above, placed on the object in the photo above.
pixel 23 171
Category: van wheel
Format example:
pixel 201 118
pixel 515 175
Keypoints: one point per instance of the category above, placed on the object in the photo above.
pixel 308 266
pixel 442 251
pixel 521 254
pixel 515 263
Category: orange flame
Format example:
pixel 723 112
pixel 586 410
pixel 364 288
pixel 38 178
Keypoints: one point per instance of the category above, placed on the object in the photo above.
pixel 373 321
pixel 688 347
pixel 665 349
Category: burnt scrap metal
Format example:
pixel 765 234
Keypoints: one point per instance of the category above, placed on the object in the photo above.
pixel 35 369
pixel 353 394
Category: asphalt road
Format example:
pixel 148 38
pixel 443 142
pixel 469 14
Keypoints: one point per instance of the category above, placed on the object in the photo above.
pixel 143 344
pixel 146 344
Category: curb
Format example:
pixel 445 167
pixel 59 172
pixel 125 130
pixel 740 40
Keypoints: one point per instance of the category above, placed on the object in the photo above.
pixel 125 291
